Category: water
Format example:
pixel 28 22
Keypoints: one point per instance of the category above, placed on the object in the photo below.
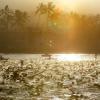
pixel 38 56
pixel 36 78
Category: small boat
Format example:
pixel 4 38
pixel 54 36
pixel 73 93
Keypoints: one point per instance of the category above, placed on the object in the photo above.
pixel 48 56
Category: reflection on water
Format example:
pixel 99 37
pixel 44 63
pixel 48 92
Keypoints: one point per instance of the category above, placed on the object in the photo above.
pixel 60 57
pixel 69 57
pixel 43 79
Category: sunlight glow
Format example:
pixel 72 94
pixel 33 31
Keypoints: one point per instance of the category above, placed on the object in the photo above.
pixel 69 57
pixel 69 4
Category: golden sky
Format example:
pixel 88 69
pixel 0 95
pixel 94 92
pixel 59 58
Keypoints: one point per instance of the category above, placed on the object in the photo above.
pixel 86 6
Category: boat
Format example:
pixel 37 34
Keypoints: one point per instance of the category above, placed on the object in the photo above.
pixel 48 56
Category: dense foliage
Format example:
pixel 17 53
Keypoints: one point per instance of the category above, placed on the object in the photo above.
pixel 48 29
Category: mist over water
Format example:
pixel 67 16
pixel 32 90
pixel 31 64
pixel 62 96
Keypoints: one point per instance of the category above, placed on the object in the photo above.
pixel 83 57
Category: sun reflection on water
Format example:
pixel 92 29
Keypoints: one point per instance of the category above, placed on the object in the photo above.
pixel 69 57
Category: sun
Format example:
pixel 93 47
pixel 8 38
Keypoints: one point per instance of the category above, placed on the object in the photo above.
pixel 70 1
pixel 69 57
pixel 68 4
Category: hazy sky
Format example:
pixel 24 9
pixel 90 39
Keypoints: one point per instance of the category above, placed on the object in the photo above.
pixel 87 6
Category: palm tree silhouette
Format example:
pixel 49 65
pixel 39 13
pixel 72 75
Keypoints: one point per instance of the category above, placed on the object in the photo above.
pixel 48 10
pixel 20 18
pixel 7 16
pixel 40 9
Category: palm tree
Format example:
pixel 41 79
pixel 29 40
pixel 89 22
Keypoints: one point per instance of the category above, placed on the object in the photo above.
pixel 47 9
pixel 20 18
pixel 6 17
pixel 39 11
pixel 52 17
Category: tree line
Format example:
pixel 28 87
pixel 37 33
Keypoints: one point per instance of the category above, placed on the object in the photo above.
pixel 48 29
